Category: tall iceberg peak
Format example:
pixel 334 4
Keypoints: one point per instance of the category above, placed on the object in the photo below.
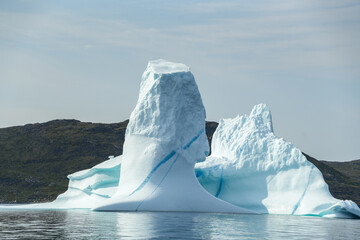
pixel 170 108
pixel 164 138
pixel 162 66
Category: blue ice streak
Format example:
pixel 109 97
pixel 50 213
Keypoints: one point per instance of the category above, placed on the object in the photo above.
pixel 194 139
pixel 303 194
pixel 167 158
pixel 220 184
pixel 160 181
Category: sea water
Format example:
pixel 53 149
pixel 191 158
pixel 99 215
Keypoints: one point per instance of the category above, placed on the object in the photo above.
pixel 86 224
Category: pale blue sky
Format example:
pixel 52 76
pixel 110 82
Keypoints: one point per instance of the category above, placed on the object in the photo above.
pixel 84 60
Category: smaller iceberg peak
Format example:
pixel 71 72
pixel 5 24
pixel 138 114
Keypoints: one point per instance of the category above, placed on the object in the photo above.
pixel 162 66
pixel 252 168
pixel 262 113
pixel 232 133
pixel 260 109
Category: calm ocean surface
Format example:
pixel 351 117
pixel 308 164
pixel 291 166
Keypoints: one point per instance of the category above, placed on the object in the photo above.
pixel 86 224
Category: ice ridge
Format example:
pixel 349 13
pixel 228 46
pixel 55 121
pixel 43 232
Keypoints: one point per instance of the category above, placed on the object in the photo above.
pixel 253 168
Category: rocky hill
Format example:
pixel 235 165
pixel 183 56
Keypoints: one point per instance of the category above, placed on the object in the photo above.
pixel 342 177
pixel 36 158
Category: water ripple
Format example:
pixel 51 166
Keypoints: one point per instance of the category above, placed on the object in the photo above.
pixel 85 224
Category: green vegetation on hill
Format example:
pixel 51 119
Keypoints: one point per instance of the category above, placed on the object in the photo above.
pixel 36 159
pixel 349 188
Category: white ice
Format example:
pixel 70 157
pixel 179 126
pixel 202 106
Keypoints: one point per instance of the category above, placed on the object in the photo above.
pixel 164 139
pixel 252 168
pixel 90 187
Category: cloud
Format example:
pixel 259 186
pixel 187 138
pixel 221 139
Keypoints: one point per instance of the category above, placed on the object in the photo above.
pixel 253 34
pixel 86 61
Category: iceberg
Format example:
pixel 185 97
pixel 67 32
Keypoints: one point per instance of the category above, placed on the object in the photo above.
pixel 164 139
pixel 164 165
pixel 252 168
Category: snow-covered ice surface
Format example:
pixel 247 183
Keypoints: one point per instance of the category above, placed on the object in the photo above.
pixel 252 168
pixel 164 139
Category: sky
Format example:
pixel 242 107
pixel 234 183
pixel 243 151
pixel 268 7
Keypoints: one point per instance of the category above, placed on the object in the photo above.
pixel 84 60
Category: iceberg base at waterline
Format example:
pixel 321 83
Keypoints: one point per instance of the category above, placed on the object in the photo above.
pixel 75 198
pixel 170 186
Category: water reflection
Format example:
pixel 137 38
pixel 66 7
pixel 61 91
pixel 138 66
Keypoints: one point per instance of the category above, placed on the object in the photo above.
pixel 31 224
pixel 85 224
pixel 149 225
pixel 303 227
